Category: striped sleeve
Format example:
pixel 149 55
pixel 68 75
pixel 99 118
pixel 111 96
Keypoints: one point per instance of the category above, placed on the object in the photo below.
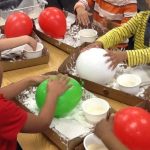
pixel 138 56
pixel 84 3
pixel 91 3
pixel 119 34
pixel 130 10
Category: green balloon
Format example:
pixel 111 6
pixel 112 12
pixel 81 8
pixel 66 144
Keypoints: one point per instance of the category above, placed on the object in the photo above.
pixel 65 102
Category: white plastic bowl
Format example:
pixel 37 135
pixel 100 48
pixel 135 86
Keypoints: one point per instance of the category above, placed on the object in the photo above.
pixel 95 109
pixel 30 54
pixel 129 83
pixel 92 142
pixel 87 35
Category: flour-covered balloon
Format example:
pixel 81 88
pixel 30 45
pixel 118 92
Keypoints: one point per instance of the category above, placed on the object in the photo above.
pixel 91 65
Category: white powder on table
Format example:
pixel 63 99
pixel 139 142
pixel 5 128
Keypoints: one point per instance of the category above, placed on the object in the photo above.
pixel 72 126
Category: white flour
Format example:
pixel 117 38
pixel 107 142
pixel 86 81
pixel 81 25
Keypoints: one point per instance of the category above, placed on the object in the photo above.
pixel 72 126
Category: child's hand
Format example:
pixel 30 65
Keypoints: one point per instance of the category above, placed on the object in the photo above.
pixel 104 127
pixel 82 16
pixel 93 45
pixel 36 80
pixel 31 41
pixel 115 57
pixel 58 86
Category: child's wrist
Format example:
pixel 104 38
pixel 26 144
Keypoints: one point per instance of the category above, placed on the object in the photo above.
pixel 106 135
pixel 100 44
pixel 78 5
pixel 125 56
pixel 52 96
pixel 31 81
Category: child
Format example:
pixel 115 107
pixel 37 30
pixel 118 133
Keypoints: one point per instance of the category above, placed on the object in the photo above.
pixel 106 13
pixel 139 27
pixel 13 119
pixel 104 130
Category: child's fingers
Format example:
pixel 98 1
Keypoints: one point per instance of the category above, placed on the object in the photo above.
pixel 112 65
pixel 68 87
pixel 45 76
pixel 111 119
pixel 63 79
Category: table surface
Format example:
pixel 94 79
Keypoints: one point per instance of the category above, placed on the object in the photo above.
pixel 57 56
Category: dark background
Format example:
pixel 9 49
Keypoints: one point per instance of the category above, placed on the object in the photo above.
pixel 63 4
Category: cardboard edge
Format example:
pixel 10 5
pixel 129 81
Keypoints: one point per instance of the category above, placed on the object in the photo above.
pixel 66 48
pixel 8 65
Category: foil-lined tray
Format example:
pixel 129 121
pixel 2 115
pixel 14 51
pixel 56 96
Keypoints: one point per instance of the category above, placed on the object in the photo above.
pixel 71 40
pixel 58 130
pixel 110 90
pixel 14 58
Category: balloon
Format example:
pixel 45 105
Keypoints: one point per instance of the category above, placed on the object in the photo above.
pixel 91 65
pixel 65 102
pixel 132 127
pixel 18 24
pixel 53 22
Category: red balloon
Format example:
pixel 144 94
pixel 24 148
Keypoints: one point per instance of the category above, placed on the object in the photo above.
pixel 18 24
pixel 132 127
pixel 53 22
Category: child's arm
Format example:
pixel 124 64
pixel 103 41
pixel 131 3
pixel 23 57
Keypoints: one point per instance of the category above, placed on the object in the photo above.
pixel 131 57
pixel 8 43
pixel 82 7
pixel 104 130
pixel 12 90
pixel 119 34
pixel 39 123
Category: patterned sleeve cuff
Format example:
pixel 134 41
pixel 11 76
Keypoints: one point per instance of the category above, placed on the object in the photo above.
pixel 103 41
pixel 129 58
pixel 79 4
pixel 138 57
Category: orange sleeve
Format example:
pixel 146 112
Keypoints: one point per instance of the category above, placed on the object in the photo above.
pixel 87 4
pixel 91 3
pixel 130 10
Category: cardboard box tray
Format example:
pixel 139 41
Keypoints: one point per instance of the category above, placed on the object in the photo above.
pixel 61 143
pixel 67 48
pixel 8 65
pixel 63 46
pixel 22 63
pixel 77 144
pixel 145 105
pixel 97 88
pixel 53 136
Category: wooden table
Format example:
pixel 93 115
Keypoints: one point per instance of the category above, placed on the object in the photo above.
pixel 38 141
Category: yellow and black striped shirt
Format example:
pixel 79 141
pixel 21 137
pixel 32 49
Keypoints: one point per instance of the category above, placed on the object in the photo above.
pixel 134 27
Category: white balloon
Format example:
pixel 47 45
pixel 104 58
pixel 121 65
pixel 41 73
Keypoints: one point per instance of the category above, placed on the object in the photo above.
pixel 91 65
